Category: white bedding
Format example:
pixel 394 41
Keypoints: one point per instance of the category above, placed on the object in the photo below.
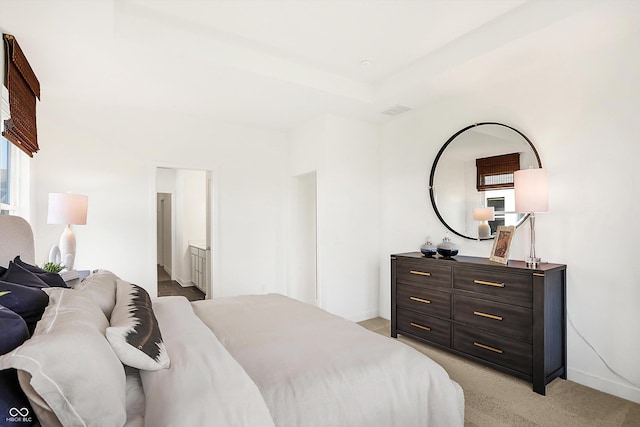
pixel 316 369
pixel 204 385
pixel 134 398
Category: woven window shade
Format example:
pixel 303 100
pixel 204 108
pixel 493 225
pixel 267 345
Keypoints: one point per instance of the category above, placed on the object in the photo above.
pixel 23 87
pixel 496 172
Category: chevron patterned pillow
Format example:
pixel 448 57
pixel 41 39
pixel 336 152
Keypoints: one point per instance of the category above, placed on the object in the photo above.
pixel 134 334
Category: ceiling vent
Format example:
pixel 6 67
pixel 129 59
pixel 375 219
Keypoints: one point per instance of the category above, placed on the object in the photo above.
pixel 395 110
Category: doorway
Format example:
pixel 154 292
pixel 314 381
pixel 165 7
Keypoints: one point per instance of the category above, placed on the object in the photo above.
pixel 183 232
pixel 165 241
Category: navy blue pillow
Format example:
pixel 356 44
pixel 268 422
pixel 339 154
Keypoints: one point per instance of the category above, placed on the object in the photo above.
pixel 14 330
pixel 17 274
pixel 14 406
pixel 2 270
pixel 51 279
pixel 28 302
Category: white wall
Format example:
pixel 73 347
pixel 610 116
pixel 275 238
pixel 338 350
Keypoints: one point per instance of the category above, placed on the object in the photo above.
pixel 111 153
pixel 345 154
pixel 579 105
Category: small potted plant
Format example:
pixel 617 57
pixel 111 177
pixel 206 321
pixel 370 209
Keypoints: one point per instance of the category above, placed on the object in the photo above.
pixel 53 267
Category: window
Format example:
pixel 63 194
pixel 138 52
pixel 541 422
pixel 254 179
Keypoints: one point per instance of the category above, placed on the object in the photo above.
pixel 13 170
pixel 499 211
pixel 23 88
pixel 496 172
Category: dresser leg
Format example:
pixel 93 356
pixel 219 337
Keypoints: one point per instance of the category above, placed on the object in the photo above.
pixel 539 388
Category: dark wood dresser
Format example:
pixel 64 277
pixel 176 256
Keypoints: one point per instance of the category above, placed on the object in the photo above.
pixel 509 317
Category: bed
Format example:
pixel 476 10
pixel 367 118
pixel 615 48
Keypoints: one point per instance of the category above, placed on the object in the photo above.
pixel 104 353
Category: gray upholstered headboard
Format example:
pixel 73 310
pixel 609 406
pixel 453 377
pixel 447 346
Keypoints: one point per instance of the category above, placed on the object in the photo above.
pixel 16 238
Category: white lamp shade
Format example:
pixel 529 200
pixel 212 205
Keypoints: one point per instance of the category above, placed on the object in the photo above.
pixel 484 214
pixel 531 190
pixel 67 208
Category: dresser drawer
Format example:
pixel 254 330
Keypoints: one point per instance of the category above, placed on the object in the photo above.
pixel 424 300
pixel 502 351
pixel 423 273
pixel 426 327
pixel 504 285
pixel 503 319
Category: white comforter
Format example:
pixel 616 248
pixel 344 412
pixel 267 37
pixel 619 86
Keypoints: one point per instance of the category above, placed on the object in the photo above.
pixel 274 361
pixel 204 386
pixel 316 369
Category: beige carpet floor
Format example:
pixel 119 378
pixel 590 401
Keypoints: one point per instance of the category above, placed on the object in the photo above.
pixel 494 399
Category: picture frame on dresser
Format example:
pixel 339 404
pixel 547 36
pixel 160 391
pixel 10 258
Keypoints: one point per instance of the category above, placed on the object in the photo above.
pixel 509 317
pixel 502 244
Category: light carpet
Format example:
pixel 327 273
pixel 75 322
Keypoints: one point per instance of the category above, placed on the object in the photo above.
pixel 494 399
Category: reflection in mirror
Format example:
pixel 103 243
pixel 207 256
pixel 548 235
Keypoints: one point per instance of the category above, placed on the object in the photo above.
pixel 474 169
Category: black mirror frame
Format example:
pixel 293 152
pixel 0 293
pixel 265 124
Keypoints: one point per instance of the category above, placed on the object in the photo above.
pixel 435 164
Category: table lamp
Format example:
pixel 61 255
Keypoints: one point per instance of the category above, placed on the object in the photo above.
pixel 68 209
pixel 532 196
pixel 484 215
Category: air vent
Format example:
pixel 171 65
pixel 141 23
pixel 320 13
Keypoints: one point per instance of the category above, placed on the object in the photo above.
pixel 395 110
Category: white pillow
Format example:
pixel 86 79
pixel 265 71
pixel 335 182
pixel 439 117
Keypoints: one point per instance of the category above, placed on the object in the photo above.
pixel 71 369
pixel 134 334
pixel 101 288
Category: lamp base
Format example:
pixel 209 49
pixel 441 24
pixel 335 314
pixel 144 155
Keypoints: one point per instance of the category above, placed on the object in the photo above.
pixel 484 230
pixel 68 247
pixel 532 262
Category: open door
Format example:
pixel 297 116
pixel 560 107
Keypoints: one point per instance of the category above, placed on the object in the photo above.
pixel 303 285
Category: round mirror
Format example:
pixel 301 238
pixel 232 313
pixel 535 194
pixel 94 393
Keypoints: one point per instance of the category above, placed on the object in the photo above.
pixel 471 182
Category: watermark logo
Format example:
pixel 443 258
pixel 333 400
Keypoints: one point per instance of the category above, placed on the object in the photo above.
pixel 19 415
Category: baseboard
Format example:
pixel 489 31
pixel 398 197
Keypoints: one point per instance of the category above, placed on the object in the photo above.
pixel 184 283
pixel 624 391
pixel 363 316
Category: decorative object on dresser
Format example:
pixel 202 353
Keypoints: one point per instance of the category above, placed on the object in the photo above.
pixel 428 249
pixel 532 196
pixel 502 244
pixel 446 248
pixel 67 209
pixel 509 317
pixel 483 215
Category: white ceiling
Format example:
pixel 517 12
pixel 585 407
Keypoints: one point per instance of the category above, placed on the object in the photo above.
pixel 268 63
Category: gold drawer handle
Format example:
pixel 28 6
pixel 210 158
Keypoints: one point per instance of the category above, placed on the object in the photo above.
pixel 426 301
pixel 415 325
pixel 420 273
pixel 490 316
pixel 486 347
pixel 482 282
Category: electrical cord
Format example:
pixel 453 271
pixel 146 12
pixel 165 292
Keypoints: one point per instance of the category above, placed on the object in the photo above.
pixel 599 355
